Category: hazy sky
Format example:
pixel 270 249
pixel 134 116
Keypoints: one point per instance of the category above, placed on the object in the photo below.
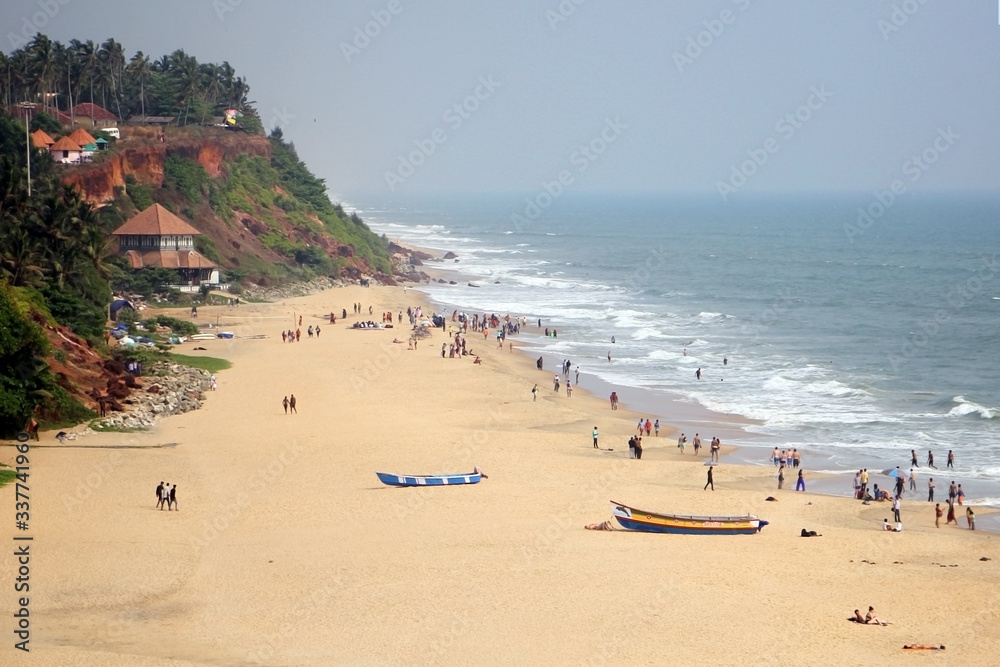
pixel 886 79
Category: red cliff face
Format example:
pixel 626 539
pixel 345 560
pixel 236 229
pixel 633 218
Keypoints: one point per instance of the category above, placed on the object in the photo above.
pixel 143 159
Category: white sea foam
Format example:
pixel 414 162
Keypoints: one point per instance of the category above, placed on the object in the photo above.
pixel 965 407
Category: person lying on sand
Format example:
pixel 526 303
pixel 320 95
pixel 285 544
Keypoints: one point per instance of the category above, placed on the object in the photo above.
pixel 604 525
pixel 923 647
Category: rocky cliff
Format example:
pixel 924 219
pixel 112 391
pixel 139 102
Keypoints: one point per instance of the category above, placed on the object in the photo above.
pixel 142 155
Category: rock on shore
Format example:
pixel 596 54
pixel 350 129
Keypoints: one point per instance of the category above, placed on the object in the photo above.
pixel 167 389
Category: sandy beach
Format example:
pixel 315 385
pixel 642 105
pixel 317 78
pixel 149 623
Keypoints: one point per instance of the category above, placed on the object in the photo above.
pixel 286 550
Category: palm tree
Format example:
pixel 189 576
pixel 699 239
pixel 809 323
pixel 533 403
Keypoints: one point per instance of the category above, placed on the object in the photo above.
pixel 65 61
pixel 189 76
pixel 89 59
pixel 114 56
pixel 139 69
pixel 213 85
pixel 43 66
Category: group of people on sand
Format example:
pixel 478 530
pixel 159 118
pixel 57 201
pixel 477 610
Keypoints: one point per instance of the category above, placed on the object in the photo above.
pixel 714 447
pixel 871 618
pixel 166 497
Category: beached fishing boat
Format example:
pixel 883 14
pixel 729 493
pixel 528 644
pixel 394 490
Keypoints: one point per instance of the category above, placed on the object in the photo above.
pixel 651 522
pixel 429 480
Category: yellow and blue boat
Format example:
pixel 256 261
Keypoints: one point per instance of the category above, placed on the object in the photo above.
pixel 631 518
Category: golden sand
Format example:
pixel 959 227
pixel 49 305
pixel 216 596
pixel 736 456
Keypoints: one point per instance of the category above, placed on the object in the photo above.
pixel 288 551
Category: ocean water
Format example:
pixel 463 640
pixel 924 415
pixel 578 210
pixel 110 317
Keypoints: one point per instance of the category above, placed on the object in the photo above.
pixel 852 340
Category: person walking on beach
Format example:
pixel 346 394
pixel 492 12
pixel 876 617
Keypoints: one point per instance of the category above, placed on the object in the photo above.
pixel 913 458
pixel 970 518
pixel 614 400
pixel 864 481
pixel 781 477
pixel 952 491
pixel 913 480
pixel 656 428
pixel 938 513
pixel 637 446
pixel 857 485
pixel 710 482
pixel 681 441
pixel 800 484
pixel 165 496
pixel 284 404
pixel 951 459
pixel 895 509
pixel 173 498
pixel 951 513
pixel 595 438
pixel 569 389
pixel 796 459
pixel 930 459
pixel 649 427
pixel 534 393
pixel 775 457
pixel 697 443
pixel 577 380
pixel 716 447
pixel 159 495
pixel 930 490
pixel 291 404
pixel 960 495
pixel 555 384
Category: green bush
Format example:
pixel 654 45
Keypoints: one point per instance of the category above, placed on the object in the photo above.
pixel 206 246
pixel 186 176
pixel 141 196
pixel 179 327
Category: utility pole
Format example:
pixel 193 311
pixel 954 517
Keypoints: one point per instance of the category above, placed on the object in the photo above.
pixel 27 106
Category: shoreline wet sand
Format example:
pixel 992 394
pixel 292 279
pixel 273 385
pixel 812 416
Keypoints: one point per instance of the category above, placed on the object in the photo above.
pixel 288 551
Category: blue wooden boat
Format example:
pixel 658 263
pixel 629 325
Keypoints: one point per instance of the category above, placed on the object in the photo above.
pixel 429 480
pixel 652 522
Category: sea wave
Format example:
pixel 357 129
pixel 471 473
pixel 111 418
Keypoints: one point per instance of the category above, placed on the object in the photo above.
pixel 966 407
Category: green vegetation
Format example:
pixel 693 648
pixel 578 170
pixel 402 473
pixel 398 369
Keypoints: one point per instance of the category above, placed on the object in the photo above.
pixel 27 386
pixel 46 123
pixel 179 327
pixel 7 476
pixel 87 71
pixel 186 176
pixel 210 364
pixel 101 427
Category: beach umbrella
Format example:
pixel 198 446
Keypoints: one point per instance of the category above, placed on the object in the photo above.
pixel 895 472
